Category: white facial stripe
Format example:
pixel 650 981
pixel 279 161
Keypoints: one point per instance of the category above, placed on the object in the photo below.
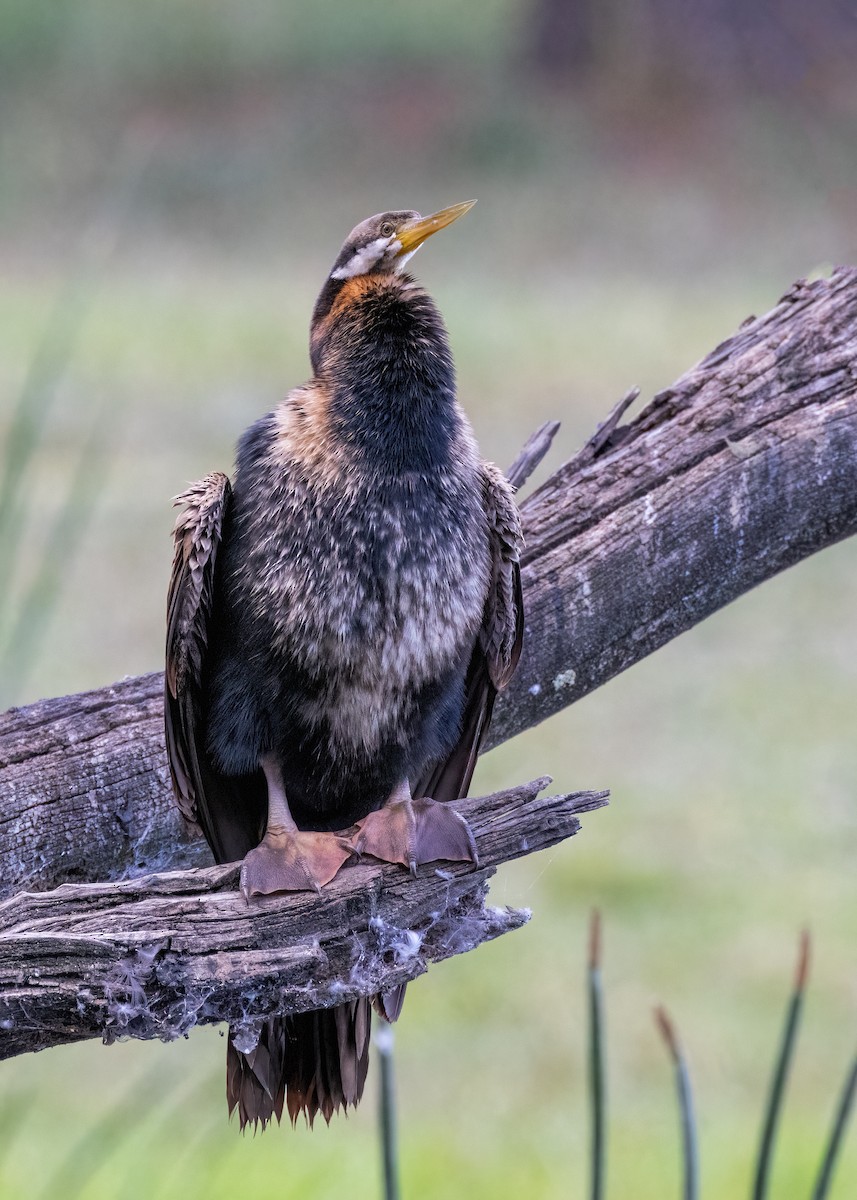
pixel 363 260
pixel 403 258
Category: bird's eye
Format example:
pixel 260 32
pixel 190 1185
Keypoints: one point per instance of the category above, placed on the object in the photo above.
pixel 388 229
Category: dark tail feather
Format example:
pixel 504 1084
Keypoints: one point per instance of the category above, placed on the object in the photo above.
pixel 255 1079
pixel 389 1004
pixel 308 1063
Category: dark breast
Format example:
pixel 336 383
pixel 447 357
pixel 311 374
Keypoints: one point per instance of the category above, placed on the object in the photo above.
pixel 370 590
pixel 347 615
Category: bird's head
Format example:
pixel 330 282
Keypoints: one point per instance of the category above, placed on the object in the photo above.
pixel 384 243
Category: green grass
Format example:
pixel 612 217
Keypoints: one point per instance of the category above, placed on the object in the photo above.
pixel 600 256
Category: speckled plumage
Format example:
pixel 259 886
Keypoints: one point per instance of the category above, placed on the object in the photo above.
pixel 346 610
pixel 358 586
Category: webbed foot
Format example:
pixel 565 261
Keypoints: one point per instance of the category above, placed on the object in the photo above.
pixel 415 831
pixel 293 861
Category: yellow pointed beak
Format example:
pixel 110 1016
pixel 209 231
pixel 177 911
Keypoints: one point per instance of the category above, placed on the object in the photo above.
pixel 413 233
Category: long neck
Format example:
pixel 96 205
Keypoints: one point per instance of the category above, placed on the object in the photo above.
pixel 379 344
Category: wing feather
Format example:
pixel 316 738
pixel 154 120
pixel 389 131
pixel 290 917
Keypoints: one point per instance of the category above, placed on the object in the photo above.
pixel 196 536
pixel 498 645
pixel 228 811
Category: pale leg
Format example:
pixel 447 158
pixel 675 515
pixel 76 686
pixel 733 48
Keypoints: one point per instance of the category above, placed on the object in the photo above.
pixel 289 859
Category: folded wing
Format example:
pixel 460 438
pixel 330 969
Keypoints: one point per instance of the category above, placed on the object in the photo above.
pixel 229 811
pixel 498 645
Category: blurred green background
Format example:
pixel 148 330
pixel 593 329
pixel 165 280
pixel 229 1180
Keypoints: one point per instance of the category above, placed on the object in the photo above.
pixel 175 180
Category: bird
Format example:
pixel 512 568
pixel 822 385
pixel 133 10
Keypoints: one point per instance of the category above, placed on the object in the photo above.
pixel 340 619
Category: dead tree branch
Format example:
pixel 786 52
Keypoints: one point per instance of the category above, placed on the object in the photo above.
pixel 153 956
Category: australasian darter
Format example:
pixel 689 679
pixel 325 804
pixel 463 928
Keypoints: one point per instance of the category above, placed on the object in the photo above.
pixel 340 619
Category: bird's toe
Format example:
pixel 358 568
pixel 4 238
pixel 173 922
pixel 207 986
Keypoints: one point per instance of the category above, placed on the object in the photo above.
pixel 411 832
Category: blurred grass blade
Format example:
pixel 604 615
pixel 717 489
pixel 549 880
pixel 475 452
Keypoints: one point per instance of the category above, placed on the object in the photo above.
pixel 26 630
pixel 781 1071
pixel 843 1111
pixel 14 1112
pixel 47 366
pixel 196 1137
pixel 387 1109
pixel 596 1059
pixel 54 349
pixel 690 1152
pixel 28 420
pixel 106 1137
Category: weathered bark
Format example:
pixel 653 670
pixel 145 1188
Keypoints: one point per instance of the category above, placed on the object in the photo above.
pixel 153 956
pixel 85 790
pixel 743 467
